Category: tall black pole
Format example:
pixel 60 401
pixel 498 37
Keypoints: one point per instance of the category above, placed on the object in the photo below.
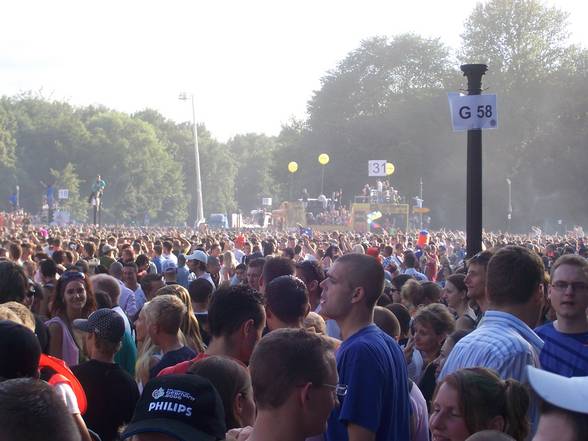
pixel 474 73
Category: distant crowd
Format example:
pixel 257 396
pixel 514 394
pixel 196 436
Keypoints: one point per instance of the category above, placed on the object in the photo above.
pixel 179 334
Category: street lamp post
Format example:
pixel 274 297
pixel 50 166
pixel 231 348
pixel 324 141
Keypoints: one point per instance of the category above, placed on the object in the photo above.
pixel 323 160
pixel 199 207
pixel 509 215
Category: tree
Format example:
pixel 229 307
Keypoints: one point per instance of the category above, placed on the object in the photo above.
pixel 67 178
pixel 521 39
pixel 254 156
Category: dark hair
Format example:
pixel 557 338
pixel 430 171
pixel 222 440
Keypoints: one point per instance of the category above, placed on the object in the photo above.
pixel 13 282
pixel 30 410
pixel 431 293
pixel 458 280
pixel 131 265
pixel 58 306
pixel 362 270
pixel 256 263
pixel 285 359
pixel 329 252
pixel 287 298
pixel 483 396
pixel 409 259
pixel 400 280
pixel 90 248
pixel 311 270
pixel 275 267
pixel 141 260
pixel 482 259
pixel 402 315
pixel 288 252
pixel 15 251
pixel 229 378
pixel 200 290
pixel 231 306
pixel 513 275
pixel 102 299
pixel 58 257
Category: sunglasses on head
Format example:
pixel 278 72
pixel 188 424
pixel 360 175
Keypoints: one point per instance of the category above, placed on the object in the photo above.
pixel 72 275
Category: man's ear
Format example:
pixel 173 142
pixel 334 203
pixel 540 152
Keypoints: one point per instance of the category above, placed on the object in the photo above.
pixel 358 294
pixel 313 285
pixel 248 327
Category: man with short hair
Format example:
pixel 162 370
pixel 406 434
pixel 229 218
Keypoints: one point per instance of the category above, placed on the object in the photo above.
pixel 127 299
pixel 236 319
pixel 30 410
pixel 254 271
pixel 111 392
pixel 164 317
pixel 275 267
pixel 200 291
pixel 410 262
pixel 157 258
pixel 566 339
pixel 129 277
pixel 167 253
pixel 295 385
pixel 286 303
pixel 504 340
pixel 150 283
pixel 369 362
pixel 475 279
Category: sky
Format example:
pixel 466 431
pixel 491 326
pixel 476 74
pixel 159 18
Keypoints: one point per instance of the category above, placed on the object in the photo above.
pixel 250 65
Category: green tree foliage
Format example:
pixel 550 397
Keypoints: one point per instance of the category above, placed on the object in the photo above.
pixel 254 155
pixel 75 204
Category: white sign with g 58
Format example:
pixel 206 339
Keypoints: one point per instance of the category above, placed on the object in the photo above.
pixel 473 112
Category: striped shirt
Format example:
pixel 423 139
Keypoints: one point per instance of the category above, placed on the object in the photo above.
pixel 501 342
pixel 564 354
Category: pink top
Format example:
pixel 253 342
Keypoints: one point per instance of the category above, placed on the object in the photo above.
pixel 70 353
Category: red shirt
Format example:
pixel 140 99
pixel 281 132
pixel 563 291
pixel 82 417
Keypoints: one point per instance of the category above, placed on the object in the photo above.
pixel 182 368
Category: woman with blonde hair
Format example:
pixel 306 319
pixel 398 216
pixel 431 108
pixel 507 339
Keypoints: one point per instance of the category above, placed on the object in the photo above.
pixel 229 267
pixel 189 326
pixel 148 354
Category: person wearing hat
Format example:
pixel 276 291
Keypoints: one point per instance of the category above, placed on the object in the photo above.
pixel 170 272
pixel 178 408
pixel 107 257
pixel 112 393
pixel 564 406
pixel 197 262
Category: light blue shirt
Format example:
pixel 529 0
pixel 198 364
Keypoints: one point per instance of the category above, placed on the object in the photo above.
pixel 501 342
pixel 414 273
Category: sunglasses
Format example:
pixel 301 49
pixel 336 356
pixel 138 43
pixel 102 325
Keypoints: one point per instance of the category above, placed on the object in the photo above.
pixel 72 275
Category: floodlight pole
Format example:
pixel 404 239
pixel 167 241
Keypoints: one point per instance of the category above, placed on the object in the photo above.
pixel 199 205
pixel 474 73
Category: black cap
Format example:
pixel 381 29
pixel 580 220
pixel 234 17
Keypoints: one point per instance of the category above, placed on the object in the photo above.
pixel 19 351
pixel 105 323
pixel 186 407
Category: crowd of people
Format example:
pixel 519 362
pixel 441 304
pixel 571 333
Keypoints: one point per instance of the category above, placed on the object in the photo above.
pixel 166 334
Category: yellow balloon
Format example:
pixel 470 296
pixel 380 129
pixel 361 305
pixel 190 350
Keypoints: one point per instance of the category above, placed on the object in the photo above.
pixel 323 159
pixel 293 167
pixel 389 168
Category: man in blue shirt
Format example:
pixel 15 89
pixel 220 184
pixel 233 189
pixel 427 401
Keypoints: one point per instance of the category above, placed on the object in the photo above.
pixel 370 363
pixel 504 339
pixel 566 340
